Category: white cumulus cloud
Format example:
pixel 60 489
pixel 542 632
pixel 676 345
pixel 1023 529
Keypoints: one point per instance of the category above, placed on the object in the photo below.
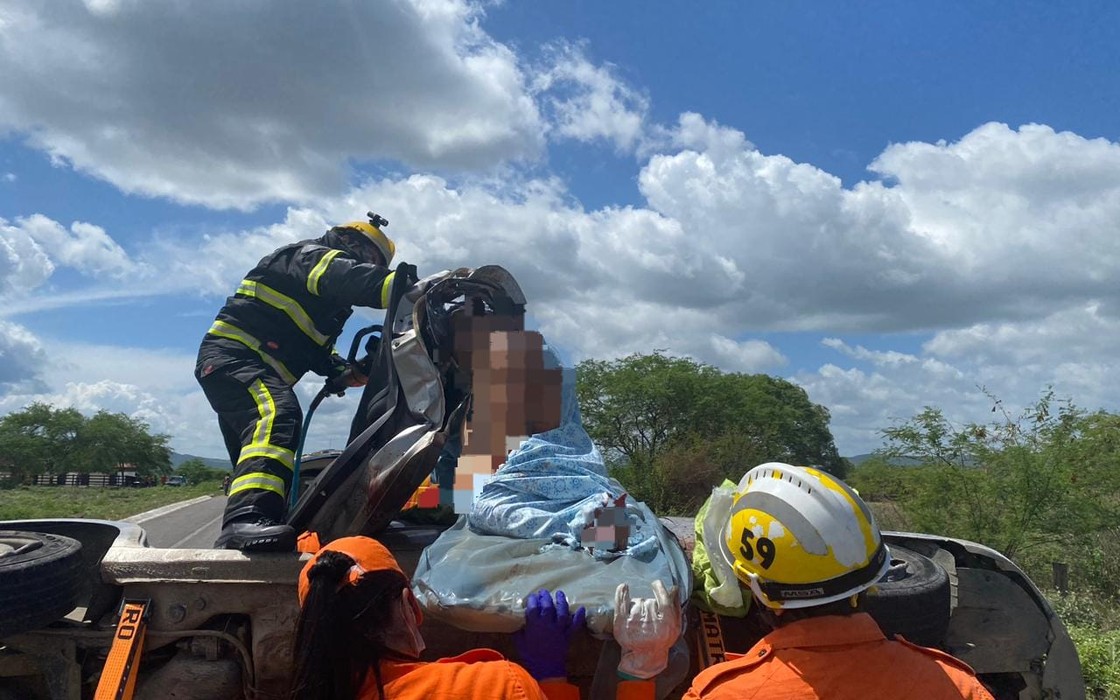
pixel 22 360
pixel 587 101
pixel 997 248
pixel 23 263
pixel 83 247
pixel 32 249
pixel 250 101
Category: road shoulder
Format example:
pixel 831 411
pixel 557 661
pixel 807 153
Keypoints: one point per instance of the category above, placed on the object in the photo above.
pixel 164 510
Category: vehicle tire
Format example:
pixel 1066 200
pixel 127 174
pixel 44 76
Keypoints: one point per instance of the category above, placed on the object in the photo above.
pixel 40 579
pixel 914 600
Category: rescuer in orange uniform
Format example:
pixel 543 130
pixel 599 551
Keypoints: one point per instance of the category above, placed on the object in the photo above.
pixel 359 638
pixel 808 547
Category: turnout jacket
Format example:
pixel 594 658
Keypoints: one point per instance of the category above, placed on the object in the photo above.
pixel 291 307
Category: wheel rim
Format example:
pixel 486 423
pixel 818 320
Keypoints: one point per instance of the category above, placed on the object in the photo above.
pixel 10 546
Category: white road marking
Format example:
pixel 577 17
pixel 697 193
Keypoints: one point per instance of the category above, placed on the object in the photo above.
pixel 188 537
pixel 157 512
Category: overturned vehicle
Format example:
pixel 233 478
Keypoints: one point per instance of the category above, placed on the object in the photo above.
pixel 87 606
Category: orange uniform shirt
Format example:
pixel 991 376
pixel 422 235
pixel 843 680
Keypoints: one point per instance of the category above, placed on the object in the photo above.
pixel 837 658
pixel 476 675
pixel 480 674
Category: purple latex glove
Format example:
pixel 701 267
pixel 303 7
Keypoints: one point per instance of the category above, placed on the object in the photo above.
pixel 543 642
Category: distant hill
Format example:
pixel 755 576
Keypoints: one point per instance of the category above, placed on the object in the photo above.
pixel 178 458
pixel 896 461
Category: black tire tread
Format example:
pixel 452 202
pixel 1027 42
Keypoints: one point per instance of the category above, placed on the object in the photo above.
pixel 39 586
pixel 917 607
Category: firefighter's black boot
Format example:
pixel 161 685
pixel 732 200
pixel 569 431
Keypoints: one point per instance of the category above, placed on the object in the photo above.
pixel 257 534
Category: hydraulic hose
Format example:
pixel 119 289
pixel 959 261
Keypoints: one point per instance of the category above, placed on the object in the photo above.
pixel 294 495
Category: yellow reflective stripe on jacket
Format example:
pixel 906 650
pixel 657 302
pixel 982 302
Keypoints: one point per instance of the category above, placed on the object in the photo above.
pixel 280 454
pixel 318 270
pixel 231 332
pixel 284 303
pixel 257 480
pixel 386 288
pixel 261 444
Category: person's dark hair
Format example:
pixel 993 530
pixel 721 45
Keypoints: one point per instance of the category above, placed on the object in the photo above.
pixel 790 615
pixel 342 630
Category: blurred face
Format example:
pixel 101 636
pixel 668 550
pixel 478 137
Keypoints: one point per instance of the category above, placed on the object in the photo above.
pixel 514 395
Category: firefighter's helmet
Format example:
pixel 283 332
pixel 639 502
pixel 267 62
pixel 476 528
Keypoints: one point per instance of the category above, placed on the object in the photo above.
pixel 372 231
pixel 800 537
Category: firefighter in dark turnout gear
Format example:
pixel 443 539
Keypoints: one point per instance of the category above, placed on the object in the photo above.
pixel 282 322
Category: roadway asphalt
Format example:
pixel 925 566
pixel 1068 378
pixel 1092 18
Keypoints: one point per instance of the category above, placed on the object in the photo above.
pixel 193 527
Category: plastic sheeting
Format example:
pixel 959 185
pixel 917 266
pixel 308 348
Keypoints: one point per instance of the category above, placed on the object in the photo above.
pixel 479 582
pixel 717 588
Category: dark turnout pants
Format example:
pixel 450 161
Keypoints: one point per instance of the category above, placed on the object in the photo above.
pixel 260 418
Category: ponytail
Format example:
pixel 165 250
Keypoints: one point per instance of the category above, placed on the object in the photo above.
pixel 317 674
pixel 342 628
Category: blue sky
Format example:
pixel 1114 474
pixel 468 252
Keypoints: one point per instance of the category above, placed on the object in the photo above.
pixel 833 83
pixel 889 204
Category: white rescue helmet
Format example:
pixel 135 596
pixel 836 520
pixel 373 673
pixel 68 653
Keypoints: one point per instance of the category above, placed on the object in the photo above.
pixel 800 537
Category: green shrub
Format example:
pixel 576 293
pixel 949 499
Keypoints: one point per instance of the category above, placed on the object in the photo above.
pixel 1099 651
pixel 1093 623
pixel 1083 608
pixel 878 480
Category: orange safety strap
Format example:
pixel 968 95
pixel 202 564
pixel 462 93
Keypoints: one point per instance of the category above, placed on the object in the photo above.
pixel 118 678
pixel 710 650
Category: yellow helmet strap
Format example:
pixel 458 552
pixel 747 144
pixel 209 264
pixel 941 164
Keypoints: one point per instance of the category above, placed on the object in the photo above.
pixel 858 578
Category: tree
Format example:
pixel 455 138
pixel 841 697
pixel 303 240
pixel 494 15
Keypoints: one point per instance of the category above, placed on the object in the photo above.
pixel 1042 480
pixel 635 406
pixel 111 440
pixel 780 422
pixel 39 439
pixel 195 471
pixel 43 439
pixel 671 428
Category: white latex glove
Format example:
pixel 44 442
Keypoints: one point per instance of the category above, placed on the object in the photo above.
pixel 646 628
